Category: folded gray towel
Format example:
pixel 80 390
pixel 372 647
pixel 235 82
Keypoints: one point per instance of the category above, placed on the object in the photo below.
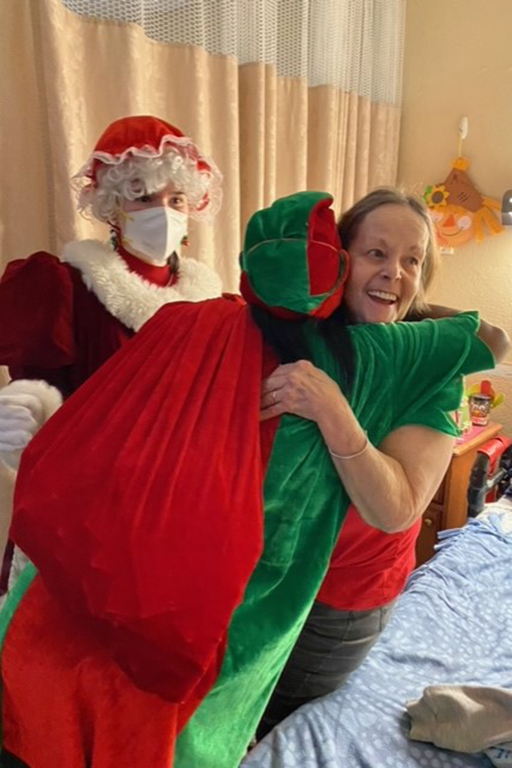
pixel 465 718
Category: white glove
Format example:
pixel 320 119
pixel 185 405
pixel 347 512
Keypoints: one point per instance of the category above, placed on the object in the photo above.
pixel 20 418
pixel 24 408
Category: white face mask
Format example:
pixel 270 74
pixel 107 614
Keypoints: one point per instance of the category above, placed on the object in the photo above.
pixel 155 232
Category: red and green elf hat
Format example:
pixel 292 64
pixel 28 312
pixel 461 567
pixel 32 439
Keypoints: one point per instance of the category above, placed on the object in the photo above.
pixel 292 262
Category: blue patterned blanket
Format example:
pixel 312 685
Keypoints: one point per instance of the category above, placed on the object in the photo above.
pixel 453 624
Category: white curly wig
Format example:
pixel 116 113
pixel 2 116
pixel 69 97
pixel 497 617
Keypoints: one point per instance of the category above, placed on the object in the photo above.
pixel 108 177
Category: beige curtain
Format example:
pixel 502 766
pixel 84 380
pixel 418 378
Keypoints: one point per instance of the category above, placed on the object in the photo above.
pixel 284 94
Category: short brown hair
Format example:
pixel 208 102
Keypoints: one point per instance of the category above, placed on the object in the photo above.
pixel 351 220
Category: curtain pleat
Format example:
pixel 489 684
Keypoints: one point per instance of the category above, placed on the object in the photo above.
pixel 65 76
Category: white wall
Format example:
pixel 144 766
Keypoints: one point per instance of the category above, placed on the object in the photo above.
pixel 458 61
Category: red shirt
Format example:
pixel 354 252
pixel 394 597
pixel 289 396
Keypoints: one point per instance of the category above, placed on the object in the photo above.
pixel 368 568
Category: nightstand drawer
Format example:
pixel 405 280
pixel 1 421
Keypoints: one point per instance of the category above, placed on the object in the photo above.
pixel 449 507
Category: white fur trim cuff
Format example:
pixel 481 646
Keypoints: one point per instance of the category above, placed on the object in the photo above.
pixel 25 405
pixel 49 396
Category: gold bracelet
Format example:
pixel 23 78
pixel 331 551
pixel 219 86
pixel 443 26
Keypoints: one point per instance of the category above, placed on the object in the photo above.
pixel 351 455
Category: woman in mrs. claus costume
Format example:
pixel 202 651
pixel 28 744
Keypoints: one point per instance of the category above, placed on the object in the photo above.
pixel 62 318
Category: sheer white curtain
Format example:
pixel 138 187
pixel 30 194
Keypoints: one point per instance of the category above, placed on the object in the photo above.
pixel 355 45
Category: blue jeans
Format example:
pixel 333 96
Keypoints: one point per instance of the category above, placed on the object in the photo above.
pixel 331 646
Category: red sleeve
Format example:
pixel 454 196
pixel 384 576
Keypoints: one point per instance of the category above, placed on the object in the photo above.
pixel 36 313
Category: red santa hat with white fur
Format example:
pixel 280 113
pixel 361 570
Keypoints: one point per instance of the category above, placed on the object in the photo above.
pixel 144 136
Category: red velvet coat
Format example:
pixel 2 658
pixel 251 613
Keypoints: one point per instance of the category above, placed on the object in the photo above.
pixel 60 322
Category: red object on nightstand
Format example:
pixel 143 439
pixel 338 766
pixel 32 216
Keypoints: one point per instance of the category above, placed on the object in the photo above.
pixel 490 474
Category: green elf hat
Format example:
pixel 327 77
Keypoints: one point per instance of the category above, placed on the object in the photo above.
pixel 292 262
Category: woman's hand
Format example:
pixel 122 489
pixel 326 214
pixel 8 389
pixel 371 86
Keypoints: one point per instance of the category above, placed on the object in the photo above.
pixel 301 389
pixel 392 485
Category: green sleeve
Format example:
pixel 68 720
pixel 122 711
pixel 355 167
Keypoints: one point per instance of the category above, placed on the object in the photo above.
pixel 418 368
pixel 431 357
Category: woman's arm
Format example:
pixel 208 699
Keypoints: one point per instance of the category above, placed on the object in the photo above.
pixel 495 337
pixel 392 485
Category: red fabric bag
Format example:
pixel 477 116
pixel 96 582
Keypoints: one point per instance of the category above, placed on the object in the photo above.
pixel 147 520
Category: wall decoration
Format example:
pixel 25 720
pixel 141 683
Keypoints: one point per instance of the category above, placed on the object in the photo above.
pixel 458 210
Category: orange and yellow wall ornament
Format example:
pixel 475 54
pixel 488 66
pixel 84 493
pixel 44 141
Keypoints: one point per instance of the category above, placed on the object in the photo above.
pixel 458 210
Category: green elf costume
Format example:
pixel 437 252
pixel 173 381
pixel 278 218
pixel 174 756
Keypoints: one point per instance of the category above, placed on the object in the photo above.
pixel 171 590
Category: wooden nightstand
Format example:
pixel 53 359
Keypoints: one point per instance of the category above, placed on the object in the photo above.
pixel 449 507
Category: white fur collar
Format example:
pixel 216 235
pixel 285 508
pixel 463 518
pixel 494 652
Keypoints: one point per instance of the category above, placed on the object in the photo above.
pixel 126 295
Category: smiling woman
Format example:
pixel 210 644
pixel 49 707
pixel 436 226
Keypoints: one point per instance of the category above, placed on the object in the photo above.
pixel 393 256
pixel 387 257
pixel 393 259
